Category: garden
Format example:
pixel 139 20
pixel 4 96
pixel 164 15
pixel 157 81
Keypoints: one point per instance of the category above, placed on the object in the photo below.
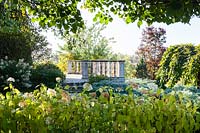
pixel 161 90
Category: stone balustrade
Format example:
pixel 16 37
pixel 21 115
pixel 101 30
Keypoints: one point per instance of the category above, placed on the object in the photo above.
pixel 113 69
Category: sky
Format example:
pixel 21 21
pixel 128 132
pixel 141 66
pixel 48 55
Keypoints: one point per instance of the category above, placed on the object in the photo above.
pixel 128 36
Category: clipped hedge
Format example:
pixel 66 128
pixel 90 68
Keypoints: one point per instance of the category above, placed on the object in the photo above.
pixel 55 110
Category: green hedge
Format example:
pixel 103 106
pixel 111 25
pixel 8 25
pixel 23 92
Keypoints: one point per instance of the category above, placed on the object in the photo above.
pixel 46 73
pixel 55 110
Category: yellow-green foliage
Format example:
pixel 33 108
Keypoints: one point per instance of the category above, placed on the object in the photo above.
pixel 62 61
pixel 54 110
pixel 180 63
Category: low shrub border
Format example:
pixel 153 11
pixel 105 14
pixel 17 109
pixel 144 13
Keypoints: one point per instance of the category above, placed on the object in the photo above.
pixel 55 110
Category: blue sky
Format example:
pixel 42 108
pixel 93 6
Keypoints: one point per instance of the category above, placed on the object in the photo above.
pixel 128 36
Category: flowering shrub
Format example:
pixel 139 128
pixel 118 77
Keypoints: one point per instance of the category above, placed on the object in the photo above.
pixel 54 110
pixel 18 70
pixel 46 73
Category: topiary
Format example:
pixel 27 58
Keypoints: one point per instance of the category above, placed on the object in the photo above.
pixel 46 73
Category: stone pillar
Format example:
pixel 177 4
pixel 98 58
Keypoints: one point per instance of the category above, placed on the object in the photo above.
pixel 121 69
pixel 115 69
pixel 91 67
pixel 84 69
pixel 98 68
pixel 69 70
pixel 77 67
pixel 105 68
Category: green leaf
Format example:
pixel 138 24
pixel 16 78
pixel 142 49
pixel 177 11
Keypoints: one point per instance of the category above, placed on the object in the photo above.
pixel 139 23
pixel 128 20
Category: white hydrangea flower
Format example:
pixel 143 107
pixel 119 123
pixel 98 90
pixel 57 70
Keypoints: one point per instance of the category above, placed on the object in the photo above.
pixel 92 104
pixel 51 92
pixel 58 79
pixel 48 120
pixel 10 79
pixel 22 104
pixel 87 86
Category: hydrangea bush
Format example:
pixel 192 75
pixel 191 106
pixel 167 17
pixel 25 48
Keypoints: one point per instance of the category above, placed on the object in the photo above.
pixel 54 110
pixel 145 88
pixel 18 71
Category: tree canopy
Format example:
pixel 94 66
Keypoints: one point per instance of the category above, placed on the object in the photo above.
pixel 61 14
pixel 65 14
pixel 167 11
pixel 85 44
pixel 151 49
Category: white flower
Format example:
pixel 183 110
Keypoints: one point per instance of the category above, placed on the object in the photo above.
pixel 10 79
pixel 87 86
pixel 58 79
pixel 51 92
pixel 48 120
pixel 28 95
pixel 22 104
pixel 92 104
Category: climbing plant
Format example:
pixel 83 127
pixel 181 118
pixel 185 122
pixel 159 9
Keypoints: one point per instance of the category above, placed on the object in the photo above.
pixel 179 64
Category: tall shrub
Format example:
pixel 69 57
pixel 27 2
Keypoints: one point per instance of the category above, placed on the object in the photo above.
pixel 46 73
pixel 141 70
pixel 179 63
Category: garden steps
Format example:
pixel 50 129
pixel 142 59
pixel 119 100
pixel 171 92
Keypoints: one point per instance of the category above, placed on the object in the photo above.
pixel 75 82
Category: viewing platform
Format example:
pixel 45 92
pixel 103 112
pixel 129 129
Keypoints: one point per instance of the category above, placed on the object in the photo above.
pixel 79 70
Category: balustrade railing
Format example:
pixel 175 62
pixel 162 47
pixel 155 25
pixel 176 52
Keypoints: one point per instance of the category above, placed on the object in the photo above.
pixel 96 67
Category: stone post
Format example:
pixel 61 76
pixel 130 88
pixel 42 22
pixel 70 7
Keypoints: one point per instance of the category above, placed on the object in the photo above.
pixel 84 69
pixel 69 70
pixel 121 69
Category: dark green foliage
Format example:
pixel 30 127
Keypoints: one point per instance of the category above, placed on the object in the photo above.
pixel 15 46
pixel 179 63
pixel 141 69
pixel 96 78
pixel 65 15
pixel 31 46
pixel 170 11
pixel 19 71
pixel 19 37
pixel 46 73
